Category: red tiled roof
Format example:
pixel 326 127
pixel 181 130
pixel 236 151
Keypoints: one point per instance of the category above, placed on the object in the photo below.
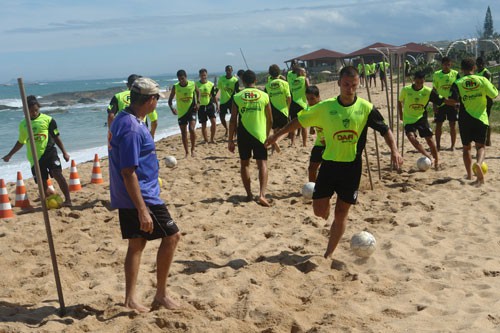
pixel 320 54
pixel 367 50
pixel 419 48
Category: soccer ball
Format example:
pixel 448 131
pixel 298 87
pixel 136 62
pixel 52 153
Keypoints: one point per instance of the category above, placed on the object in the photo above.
pixel 53 201
pixel 170 161
pixel 484 167
pixel 423 163
pixel 307 190
pixel 363 244
pixel 160 182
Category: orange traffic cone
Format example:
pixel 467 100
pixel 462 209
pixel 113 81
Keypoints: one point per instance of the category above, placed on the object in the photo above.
pixel 74 179
pixel 5 207
pixel 50 187
pixel 22 200
pixel 96 172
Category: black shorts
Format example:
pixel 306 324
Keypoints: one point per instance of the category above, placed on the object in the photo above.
pixel 279 119
pixel 48 162
pixel 338 177
pixel 163 225
pixel 247 144
pixel 422 126
pixel 205 112
pixel 446 112
pixel 294 110
pixel 317 154
pixel 382 75
pixel 188 117
pixel 225 108
pixel 471 129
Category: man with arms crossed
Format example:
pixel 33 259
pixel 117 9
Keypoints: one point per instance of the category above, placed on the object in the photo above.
pixel 227 86
pixel 345 121
pixel 207 107
pixel 133 170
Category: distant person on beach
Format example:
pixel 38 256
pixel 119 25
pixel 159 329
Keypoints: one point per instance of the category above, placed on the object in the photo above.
pixel 227 86
pixel 46 135
pixel 372 73
pixel 313 98
pixel 412 108
pixel 299 101
pixel 345 121
pixel 134 189
pixel 280 98
pixel 251 117
pixel 122 99
pixel 442 81
pixel 207 105
pixel 188 102
pixel 472 91
pixel 481 70
pixel 383 68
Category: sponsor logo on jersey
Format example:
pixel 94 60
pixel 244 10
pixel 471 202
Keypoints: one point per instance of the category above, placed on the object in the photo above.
pixel 348 136
pixel 250 96
pixel 470 84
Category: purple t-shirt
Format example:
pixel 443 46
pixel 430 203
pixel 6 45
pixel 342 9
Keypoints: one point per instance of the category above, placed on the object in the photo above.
pixel 131 145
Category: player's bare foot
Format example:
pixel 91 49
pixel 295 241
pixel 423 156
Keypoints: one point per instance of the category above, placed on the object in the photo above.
pixel 263 201
pixel 167 302
pixel 136 306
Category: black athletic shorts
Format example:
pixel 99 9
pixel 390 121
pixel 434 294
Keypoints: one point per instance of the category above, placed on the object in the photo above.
pixel 225 108
pixel 446 112
pixel 294 110
pixel 317 154
pixel 205 112
pixel 48 162
pixel 188 117
pixel 338 177
pixel 279 119
pixel 382 75
pixel 247 144
pixel 422 126
pixel 163 225
pixel 471 129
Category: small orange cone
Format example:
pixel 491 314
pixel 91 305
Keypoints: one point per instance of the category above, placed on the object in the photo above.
pixel 96 172
pixel 5 207
pixel 74 179
pixel 50 187
pixel 22 200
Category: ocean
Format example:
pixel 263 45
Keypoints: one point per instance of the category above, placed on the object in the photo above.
pixel 82 127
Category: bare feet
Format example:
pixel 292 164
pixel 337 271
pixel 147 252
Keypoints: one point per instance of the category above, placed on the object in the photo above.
pixel 193 154
pixel 167 302
pixel 249 197
pixel 479 174
pixel 136 306
pixel 262 201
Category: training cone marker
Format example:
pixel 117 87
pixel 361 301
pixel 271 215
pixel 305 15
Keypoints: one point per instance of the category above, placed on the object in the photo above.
pixel 74 179
pixel 96 172
pixel 21 196
pixel 50 187
pixel 5 207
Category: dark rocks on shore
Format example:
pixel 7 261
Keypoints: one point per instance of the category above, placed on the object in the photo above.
pixel 82 97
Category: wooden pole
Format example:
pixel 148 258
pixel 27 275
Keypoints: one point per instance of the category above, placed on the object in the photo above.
pixel 374 132
pixel 398 64
pixel 42 196
pixel 403 128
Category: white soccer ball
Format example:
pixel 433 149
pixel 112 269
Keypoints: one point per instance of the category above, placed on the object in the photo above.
pixel 307 190
pixel 423 163
pixel 363 244
pixel 170 161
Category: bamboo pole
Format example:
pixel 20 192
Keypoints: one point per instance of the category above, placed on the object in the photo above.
pixel 42 196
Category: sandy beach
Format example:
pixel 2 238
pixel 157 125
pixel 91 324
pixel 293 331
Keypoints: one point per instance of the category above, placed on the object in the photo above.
pixel 241 267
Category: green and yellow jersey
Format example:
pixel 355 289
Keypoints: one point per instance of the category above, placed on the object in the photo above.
pixel 44 130
pixel 251 104
pixel 227 88
pixel 298 90
pixel 121 100
pixel 279 92
pixel 207 92
pixel 442 81
pixel 415 102
pixel 184 97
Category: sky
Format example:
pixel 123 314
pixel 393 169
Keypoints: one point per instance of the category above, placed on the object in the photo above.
pixel 59 39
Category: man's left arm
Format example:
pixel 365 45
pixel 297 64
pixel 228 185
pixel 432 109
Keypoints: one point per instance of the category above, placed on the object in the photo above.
pixel 269 119
pixel 376 121
pixel 54 133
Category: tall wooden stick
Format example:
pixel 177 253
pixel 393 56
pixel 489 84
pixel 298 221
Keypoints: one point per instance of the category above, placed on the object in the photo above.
pixel 42 196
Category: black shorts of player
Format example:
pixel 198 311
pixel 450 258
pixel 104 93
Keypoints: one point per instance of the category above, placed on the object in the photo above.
pixel 294 110
pixel 163 225
pixel 188 117
pixel 279 119
pixel 48 162
pixel 471 129
pixel 422 126
pixel 225 108
pixel 372 76
pixel 247 144
pixel 338 177
pixel 317 154
pixel 446 112
pixel 382 75
pixel 205 112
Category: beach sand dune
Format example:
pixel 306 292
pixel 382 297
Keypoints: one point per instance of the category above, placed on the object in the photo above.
pixel 241 267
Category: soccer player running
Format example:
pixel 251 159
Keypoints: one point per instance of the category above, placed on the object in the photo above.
pixel 299 101
pixel 227 86
pixel 255 121
pixel 472 91
pixel 345 121
pixel 207 106
pixel 442 81
pixel 280 98
pixel 313 98
pixel 412 108
pixel 188 102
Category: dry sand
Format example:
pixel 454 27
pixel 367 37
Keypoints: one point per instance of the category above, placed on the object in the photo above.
pixel 241 267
